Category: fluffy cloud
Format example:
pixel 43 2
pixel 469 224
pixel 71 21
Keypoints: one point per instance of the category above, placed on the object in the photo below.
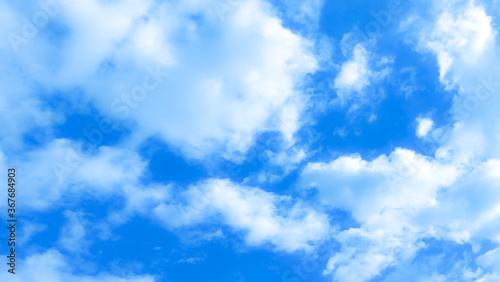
pixel 62 168
pixel 491 260
pixel 383 195
pixel 398 201
pixel 402 180
pixel 463 40
pixel 424 126
pixel 61 173
pixel 460 37
pixel 405 197
pixel 354 73
pixel 362 70
pixel 264 217
pixel 228 78
pixel 23 109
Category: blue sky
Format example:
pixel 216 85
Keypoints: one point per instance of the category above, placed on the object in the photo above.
pixel 251 140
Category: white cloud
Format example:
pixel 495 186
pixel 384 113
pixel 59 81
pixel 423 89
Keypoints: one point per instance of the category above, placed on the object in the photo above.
pixel 403 180
pixel 52 266
pixel 461 36
pixel 405 197
pixel 61 169
pixel 60 173
pixel 469 210
pixel 359 74
pixel 73 237
pixel 401 199
pixel 89 21
pixel 489 278
pixel 424 126
pixel 491 260
pixel 227 80
pixel 464 42
pixel 385 195
pixel 354 74
pixel 263 216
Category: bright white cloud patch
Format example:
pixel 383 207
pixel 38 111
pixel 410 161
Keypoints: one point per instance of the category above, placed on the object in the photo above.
pixel 403 180
pixel 361 71
pixel 386 196
pixel 460 38
pixel 463 40
pixel 354 73
pixel 264 217
pixel 424 126
pixel 226 79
